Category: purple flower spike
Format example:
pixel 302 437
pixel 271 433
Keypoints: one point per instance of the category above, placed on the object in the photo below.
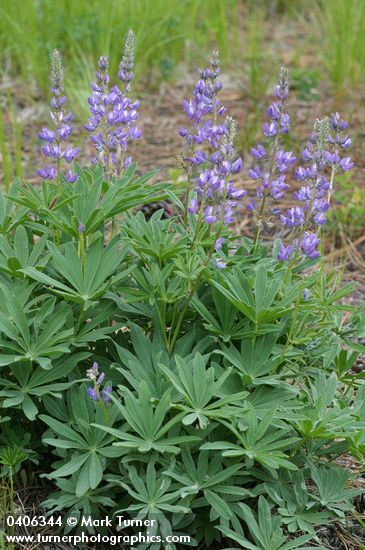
pixel 282 89
pixel 323 155
pixel 112 123
pixel 273 162
pixel 209 157
pixel 125 73
pixel 54 139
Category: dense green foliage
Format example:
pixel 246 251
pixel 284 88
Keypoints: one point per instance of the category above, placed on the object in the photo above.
pixel 232 395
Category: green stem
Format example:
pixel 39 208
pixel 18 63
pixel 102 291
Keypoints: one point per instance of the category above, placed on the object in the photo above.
pixel 82 314
pixel 11 497
pixel 81 249
pixel 182 315
pixel 163 327
pixel 187 203
pixel 58 173
pixel 198 225
pixel 292 326
pixel 189 298
pixel 103 404
pixel 266 192
pixel 300 444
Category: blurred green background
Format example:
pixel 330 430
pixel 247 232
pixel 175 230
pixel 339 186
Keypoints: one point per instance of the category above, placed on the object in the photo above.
pixel 176 33
pixel 321 41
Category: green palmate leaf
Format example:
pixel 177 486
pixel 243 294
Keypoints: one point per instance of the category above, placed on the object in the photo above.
pixel 331 483
pixel 90 200
pixel 152 496
pixel 155 238
pixel 259 301
pixel 265 530
pixel 256 359
pixel 17 255
pixel 149 422
pixel 88 446
pixel 84 284
pixel 33 338
pixel 27 387
pixel 324 418
pixel 258 443
pixel 198 387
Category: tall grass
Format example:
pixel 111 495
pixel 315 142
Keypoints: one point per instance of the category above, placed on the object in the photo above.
pixel 340 33
pixel 168 32
pixel 10 145
pixel 255 54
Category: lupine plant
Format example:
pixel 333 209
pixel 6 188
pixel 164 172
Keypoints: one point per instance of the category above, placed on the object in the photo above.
pixel 169 368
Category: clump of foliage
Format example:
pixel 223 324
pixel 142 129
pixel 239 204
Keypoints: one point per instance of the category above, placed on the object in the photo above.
pixel 168 368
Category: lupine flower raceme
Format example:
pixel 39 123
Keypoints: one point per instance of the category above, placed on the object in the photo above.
pixel 95 393
pixel 55 142
pixel 322 159
pixel 272 161
pixel 112 124
pixel 209 158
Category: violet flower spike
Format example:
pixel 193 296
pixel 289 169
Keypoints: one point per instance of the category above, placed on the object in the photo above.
pixel 112 124
pixel 323 155
pixel 126 65
pixel 54 139
pixel 209 158
pixel 272 162
pixel 98 378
